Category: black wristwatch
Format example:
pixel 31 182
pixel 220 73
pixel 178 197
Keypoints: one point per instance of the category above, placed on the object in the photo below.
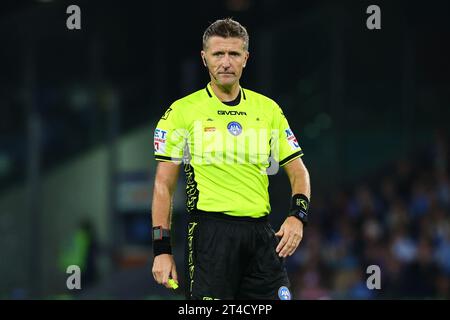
pixel 300 215
pixel 158 233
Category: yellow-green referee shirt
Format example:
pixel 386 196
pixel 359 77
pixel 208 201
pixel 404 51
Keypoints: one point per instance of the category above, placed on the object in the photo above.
pixel 226 149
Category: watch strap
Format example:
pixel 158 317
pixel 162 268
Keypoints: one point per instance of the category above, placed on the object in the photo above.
pixel 158 233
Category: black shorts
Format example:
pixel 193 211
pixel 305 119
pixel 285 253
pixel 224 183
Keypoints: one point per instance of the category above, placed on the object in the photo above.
pixel 233 258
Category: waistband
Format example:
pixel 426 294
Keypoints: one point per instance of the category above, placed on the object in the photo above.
pixel 222 216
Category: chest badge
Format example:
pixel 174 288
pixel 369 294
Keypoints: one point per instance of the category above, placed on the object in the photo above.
pixel 234 128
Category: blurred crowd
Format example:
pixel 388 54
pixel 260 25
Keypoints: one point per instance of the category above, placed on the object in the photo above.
pixel 398 220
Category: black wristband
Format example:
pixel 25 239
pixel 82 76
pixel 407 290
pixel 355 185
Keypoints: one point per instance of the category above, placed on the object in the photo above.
pixel 300 202
pixel 162 246
pixel 299 207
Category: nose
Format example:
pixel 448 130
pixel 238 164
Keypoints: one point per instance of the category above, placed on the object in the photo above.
pixel 226 61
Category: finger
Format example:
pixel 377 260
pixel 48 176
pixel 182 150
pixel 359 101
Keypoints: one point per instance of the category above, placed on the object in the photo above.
pixel 294 244
pixel 165 280
pixel 156 275
pixel 297 240
pixel 287 246
pixel 282 243
pixel 159 277
pixel 174 274
pixel 280 232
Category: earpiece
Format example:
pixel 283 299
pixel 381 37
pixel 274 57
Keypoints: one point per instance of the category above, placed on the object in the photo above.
pixel 206 65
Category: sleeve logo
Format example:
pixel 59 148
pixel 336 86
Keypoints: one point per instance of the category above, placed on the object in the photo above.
pixel 292 140
pixel 166 115
pixel 159 140
pixel 302 203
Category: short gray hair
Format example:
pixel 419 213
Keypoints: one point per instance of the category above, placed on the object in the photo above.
pixel 226 28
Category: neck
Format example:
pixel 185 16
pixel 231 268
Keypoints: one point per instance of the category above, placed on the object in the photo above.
pixel 226 93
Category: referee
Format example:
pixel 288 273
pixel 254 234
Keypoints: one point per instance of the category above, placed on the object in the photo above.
pixel 227 138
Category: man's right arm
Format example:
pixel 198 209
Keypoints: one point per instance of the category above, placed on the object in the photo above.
pixel 164 189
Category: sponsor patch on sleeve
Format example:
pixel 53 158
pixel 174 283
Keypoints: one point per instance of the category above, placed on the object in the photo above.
pixel 292 140
pixel 159 140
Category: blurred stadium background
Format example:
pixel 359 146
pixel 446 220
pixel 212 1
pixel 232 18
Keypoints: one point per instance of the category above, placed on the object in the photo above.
pixel 78 109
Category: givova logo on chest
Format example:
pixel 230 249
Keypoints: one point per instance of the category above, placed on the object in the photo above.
pixel 231 113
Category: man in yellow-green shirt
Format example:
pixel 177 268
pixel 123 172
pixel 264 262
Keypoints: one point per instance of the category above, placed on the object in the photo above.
pixel 228 139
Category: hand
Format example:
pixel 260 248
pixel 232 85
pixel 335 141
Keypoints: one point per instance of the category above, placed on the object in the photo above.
pixel 291 233
pixel 163 269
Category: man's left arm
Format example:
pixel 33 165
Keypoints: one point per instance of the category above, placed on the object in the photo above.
pixel 291 231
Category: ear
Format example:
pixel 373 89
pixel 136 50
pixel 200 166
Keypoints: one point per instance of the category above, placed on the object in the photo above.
pixel 247 55
pixel 203 54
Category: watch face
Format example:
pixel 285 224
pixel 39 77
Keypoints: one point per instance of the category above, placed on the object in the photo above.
pixel 157 233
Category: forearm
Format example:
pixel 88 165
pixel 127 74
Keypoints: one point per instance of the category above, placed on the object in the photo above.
pixel 163 264
pixel 291 231
pixel 165 184
pixel 298 178
pixel 162 206
pixel 300 183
